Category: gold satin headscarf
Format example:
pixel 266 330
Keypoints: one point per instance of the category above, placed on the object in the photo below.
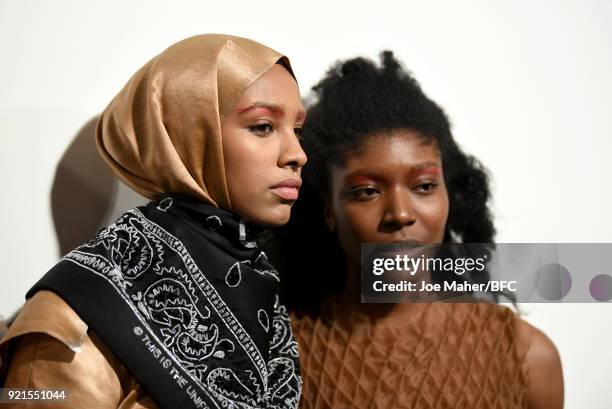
pixel 162 132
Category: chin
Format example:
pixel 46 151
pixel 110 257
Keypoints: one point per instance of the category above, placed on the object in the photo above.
pixel 275 217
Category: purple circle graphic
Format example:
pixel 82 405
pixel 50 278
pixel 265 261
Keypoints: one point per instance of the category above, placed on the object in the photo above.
pixel 600 287
pixel 553 282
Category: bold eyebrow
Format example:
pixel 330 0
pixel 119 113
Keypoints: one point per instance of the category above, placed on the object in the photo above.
pixel 362 175
pixel 369 174
pixel 274 108
pixel 425 165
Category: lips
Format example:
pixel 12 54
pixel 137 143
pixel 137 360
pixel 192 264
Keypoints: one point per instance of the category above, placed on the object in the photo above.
pixel 288 189
pixel 407 241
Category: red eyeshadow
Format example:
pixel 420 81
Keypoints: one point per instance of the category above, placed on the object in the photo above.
pixel 429 170
pixel 362 179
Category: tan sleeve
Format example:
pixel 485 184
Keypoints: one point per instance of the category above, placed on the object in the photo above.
pixel 43 362
pixel 137 398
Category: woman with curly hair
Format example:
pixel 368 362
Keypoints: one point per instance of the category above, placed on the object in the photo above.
pixel 384 168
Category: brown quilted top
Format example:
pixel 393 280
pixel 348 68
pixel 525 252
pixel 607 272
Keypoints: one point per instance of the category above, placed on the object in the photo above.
pixel 443 355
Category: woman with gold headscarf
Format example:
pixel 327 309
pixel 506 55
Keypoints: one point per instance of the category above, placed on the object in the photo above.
pixel 175 305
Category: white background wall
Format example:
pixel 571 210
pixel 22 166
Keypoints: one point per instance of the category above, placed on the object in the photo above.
pixel 526 84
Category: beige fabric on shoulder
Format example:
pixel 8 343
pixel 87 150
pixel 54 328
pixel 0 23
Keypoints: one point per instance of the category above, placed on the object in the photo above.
pixel 162 132
pixel 51 348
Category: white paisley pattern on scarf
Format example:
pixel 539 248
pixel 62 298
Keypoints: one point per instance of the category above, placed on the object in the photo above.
pixel 187 316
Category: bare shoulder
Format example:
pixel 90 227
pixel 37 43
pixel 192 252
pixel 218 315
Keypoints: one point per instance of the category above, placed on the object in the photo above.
pixel 542 367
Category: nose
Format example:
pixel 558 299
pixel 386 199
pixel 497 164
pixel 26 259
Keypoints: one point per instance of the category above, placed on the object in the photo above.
pixel 292 155
pixel 398 211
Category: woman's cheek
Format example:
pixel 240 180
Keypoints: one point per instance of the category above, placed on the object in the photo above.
pixel 362 222
pixel 434 213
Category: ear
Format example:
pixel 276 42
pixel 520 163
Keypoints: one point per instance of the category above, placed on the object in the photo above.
pixel 328 214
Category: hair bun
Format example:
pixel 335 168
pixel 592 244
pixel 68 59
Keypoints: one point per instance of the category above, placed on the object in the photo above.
pixel 388 61
pixel 355 65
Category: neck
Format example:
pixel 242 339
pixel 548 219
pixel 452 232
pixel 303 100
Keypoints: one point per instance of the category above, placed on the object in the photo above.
pixel 351 297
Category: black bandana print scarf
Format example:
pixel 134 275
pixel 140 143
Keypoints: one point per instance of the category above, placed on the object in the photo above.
pixel 182 295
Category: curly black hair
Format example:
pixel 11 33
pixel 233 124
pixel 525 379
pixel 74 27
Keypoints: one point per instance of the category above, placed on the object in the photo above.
pixel 356 100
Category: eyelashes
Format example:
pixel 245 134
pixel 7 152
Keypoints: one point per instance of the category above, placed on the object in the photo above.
pixel 265 129
pixel 430 186
pixel 364 193
pixel 261 129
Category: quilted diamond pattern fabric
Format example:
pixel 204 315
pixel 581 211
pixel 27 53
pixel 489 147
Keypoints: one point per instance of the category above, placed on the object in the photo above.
pixel 463 356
